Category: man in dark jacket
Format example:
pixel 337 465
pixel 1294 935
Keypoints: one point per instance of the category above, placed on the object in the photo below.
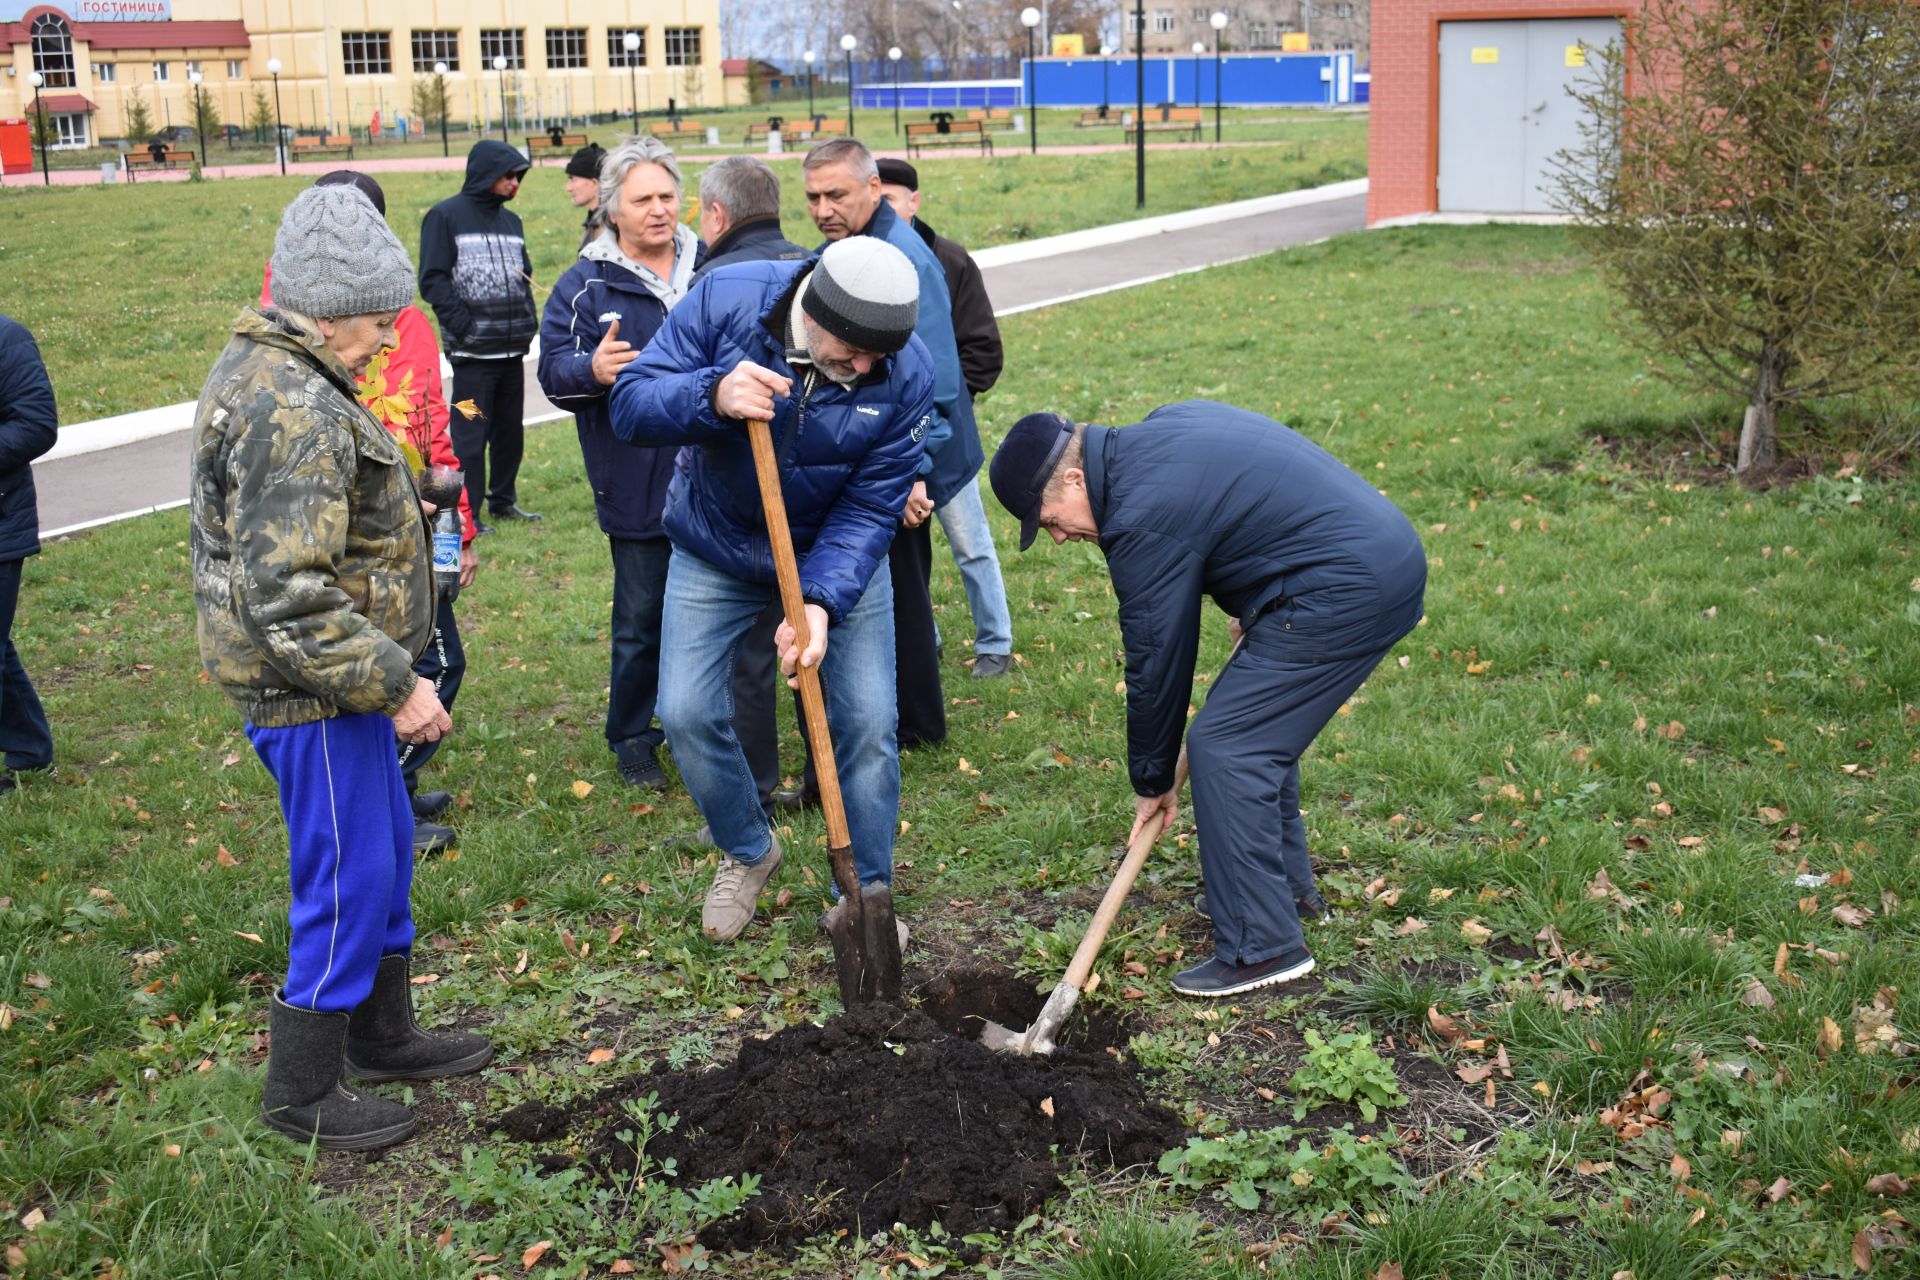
pixel 826 344
pixel 962 515
pixel 29 426
pixel 475 272
pixel 1323 576
pixel 740 214
pixel 598 317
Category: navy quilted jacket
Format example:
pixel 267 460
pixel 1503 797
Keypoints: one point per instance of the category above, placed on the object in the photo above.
pixel 28 428
pixel 848 456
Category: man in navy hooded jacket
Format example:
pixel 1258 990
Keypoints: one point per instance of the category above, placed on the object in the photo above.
pixel 475 272
pixel 29 427
pixel 1322 576
pixel 823 350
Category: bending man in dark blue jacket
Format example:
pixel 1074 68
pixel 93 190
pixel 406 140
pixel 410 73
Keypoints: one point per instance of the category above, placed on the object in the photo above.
pixel 29 426
pixel 599 315
pixel 824 350
pixel 1322 574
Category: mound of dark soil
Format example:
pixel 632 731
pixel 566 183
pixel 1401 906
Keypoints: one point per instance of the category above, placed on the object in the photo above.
pixel 883 1115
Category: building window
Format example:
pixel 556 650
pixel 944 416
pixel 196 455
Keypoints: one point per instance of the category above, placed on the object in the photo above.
pixel 1133 23
pixel 106 72
pixel 617 47
pixel 1202 15
pixel 53 51
pixel 566 48
pixel 1256 35
pixel 430 47
pixel 193 69
pixel 68 132
pixel 367 53
pixel 683 46
pixel 507 42
pixel 233 68
pixel 162 72
pixel 1343 11
pixel 1162 21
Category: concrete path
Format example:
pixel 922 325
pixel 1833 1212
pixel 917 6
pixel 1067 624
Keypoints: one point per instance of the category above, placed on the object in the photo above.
pixel 118 468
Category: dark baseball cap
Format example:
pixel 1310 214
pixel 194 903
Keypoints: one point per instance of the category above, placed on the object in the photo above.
pixel 895 172
pixel 1024 463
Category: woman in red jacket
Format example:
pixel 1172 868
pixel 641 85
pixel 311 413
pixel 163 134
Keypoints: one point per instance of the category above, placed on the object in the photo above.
pixel 402 388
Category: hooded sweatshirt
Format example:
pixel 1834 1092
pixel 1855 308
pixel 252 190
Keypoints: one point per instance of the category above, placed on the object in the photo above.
pixel 474 266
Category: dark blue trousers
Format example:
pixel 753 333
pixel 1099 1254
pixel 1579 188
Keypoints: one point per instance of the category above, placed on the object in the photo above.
pixel 639 591
pixel 443 666
pixel 26 742
pixel 350 841
pixel 1243 749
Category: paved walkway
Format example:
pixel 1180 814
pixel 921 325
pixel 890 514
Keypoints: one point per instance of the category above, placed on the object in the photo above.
pixel 117 468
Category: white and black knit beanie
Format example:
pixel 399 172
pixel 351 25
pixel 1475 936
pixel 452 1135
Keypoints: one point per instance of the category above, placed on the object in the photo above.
pixel 865 293
pixel 335 256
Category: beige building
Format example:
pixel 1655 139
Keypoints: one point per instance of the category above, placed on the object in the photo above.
pixel 342 61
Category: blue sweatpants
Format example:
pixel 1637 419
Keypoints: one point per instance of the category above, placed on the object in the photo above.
pixel 1244 747
pixel 350 834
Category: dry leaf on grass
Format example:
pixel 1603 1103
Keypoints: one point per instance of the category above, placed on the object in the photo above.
pixel 1756 996
pixel 534 1253
pixel 582 788
pixel 1888 1184
pixel 1475 933
pixel 599 1056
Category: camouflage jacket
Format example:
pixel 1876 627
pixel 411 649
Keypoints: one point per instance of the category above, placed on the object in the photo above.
pixel 312 574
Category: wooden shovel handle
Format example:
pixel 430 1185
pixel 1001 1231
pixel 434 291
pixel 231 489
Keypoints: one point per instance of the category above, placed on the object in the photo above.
pixel 1122 885
pixel 787 571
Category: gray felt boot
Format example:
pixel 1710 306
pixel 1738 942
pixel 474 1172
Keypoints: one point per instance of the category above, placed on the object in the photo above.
pixel 385 1043
pixel 305 1098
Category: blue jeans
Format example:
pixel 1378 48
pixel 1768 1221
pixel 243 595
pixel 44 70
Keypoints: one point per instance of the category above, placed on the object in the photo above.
pixel 965 521
pixel 707 615
pixel 633 685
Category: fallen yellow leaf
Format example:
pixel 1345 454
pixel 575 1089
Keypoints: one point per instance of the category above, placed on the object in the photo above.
pixel 582 788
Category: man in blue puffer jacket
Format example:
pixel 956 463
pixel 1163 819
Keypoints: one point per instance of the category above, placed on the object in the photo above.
pixel 824 350
pixel 603 310
pixel 1322 576
pixel 28 428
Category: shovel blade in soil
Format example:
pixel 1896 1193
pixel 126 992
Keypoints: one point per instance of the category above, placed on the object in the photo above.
pixel 1039 1038
pixel 866 947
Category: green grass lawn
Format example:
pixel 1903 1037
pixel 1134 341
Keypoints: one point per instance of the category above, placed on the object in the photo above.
pixel 1562 825
pixel 135 320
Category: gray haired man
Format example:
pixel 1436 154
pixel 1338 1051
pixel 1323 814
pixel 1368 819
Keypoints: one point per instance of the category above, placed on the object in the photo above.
pixel 740 214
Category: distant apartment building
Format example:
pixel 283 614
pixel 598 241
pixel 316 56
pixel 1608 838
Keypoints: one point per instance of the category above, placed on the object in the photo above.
pixel 1254 24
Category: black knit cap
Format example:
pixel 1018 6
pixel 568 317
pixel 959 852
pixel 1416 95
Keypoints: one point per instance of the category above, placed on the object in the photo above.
pixel 1024 463
pixel 865 293
pixel 586 161
pixel 895 172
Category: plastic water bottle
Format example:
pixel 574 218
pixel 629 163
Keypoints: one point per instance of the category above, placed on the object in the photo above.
pixel 446 552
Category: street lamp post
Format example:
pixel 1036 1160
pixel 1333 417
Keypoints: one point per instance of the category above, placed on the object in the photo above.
pixel 813 116
pixel 1140 104
pixel 631 43
pixel 199 115
pixel 893 56
pixel 35 79
pixel 440 74
pixel 1198 49
pixel 1106 51
pixel 1219 24
pixel 500 65
pixel 1030 18
pixel 848 43
pixel 279 130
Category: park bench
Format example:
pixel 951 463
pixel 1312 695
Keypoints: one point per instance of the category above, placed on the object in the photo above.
pixel 329 144
pixel 1096 119
pixel 171 158
pixel 674 130
pixel 922 134
pixel 1172 120
pixel 547 144
pixel 992 117
pixel 794 130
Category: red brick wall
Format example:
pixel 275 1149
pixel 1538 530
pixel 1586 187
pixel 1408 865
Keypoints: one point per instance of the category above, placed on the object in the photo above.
pixel 1403 136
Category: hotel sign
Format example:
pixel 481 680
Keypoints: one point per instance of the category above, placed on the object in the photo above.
pixel 94 10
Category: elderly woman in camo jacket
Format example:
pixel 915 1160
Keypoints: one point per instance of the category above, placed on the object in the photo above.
pixel 313 586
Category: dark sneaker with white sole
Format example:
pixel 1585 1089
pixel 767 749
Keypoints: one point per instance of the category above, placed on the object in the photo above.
pixel 1217 977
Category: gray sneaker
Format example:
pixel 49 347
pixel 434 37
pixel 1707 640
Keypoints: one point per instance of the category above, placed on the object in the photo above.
pixel 989 665
pixel 735 892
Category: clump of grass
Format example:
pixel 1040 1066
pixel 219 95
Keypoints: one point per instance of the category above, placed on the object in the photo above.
pixel 1133 1243
pixel 1387 997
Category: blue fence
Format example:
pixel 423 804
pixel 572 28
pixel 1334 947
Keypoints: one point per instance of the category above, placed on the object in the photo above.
pixel 1245 80
pixel 939 94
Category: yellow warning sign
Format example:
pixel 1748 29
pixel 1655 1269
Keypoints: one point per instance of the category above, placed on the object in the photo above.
pixel 1487 53
pixel 1294 42
pixel 1070 46
pixel 1576 55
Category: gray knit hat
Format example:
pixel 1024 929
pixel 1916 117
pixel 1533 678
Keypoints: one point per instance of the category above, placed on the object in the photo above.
pixel 335 256
pixel 865 293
